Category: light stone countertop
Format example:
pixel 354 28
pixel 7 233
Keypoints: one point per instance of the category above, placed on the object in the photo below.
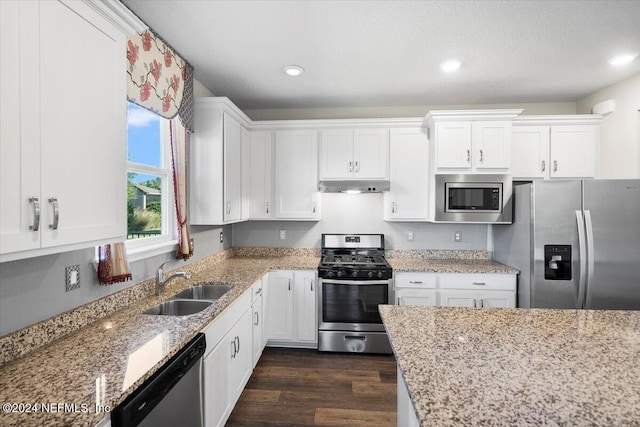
pixel 483 266
pixel 95 363
pixel 507 367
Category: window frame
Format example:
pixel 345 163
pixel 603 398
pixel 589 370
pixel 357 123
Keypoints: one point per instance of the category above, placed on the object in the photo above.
pixel 138 249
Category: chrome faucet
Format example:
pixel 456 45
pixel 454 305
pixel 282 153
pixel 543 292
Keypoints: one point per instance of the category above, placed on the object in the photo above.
pixel 161 282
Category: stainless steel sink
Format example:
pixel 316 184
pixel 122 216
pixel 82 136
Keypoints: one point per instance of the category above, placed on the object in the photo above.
pixel 209 292
pixel 177 307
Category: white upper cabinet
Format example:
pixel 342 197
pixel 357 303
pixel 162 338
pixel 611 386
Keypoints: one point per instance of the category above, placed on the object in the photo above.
pixel 261 175
pixel 296 175
pixel 409 176
pixel 471 141
pixel 216 163
pixel 548 147
pixel 354 154
pixel 63 143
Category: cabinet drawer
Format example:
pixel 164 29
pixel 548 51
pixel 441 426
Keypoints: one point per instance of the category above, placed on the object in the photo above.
pixel 223 323
pixel 421 297
pixel 415 280
pixel 256 291
pixel 478 282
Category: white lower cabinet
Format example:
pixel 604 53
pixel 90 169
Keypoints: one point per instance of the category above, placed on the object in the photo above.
pixel 291 309
pixel 406 412
pixel 455 290
pixel 257 308
pixel 228 365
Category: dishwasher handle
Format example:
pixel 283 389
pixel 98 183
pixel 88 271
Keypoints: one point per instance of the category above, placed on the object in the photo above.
pixel 146 397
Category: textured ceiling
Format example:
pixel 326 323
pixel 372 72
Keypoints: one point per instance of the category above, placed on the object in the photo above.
pixel 387 53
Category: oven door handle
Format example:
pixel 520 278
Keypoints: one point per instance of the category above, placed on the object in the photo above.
pixel 355 282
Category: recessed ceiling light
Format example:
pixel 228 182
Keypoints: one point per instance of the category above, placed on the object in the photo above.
pixel 620 60
pixel 450 66
pixel 293 70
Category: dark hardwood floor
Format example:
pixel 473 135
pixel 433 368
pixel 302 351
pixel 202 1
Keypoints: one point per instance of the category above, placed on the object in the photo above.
pixel 307 388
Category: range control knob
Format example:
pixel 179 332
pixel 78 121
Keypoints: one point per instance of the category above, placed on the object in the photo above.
pixel 330 274
pixel 354 273
pixel 380 274
pixel 340 273
pixel 370 274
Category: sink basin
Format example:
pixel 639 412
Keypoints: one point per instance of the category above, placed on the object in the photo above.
pixel 178 307
pixel 204 292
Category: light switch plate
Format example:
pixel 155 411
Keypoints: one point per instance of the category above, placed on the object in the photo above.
pixel 410 236
pixel 221 237
pixel 72 277
pixel 457 236
pixel 283 234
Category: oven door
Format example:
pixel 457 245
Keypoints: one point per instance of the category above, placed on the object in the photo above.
pixel 351 305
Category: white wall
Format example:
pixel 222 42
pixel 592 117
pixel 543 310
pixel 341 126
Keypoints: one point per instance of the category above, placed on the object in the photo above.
pixel 358 213
pixel 401 111
pixel 620 130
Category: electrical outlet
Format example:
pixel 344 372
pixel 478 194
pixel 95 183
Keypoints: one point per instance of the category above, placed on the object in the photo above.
pixel 283 234
pixel 457 236
pixel 221 237
pixel 72 277
pixel 410 236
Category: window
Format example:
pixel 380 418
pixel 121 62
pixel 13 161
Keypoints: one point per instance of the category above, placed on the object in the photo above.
pixel 150 206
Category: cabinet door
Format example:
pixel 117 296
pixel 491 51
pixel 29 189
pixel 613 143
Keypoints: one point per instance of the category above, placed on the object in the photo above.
pixel 306 306
pixel 406 412
pixel 497 299
pixel 453 145
pixel 232 169
pixel 258 330
pixel 83 116
pixel 458 298
pixel 261 157
pixel 409 176
pixel 216 399
pixel 246 174
pixel 425 298
pixel 573 151
pixel 19 138
pixel 371 154
pixel 296 171
pixel 336 154
pixel 529 152
pixel 242 359
pixel 491 145
pixel 280 305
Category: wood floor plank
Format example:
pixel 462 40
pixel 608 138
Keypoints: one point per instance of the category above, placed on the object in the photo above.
pixel 354 418
pixel 301 387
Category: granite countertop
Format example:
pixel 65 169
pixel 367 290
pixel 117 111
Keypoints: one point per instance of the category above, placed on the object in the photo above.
pixel 467 366
pixel 104 362
pixel 483 266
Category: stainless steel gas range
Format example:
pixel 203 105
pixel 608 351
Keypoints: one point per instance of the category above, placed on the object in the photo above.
pixel 354 279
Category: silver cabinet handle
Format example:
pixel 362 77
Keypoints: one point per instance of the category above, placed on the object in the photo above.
pixel 468 156
pixel 35 203
pixel 233 349
pixel 258 291
pixel 555 166
pixel 481 156
pixel 475 302
pixel 56 213
pixel 357 166
pixel 350 167
pixel 228 207
pixel 312 286
pixel 415 281
pixel 289 284
pixel 479 283
pixel 481 303
pixel 238 339
pixel 543 165
pixel 257 318
pixel 267 205
pixel 313 207
pixel 393 207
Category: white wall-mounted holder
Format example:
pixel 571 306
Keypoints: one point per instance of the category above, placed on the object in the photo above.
pixel 605 107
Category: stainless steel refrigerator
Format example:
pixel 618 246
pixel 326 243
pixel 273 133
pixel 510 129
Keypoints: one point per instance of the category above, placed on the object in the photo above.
pixel 576 244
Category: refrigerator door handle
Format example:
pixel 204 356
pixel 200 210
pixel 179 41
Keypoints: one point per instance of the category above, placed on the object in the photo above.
pixel 590 255
pixel 582 245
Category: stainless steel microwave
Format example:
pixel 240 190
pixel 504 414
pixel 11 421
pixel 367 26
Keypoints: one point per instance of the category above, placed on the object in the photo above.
pixel 473 198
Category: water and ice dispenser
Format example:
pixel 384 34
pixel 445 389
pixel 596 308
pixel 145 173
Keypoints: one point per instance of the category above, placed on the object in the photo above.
pixel 557 262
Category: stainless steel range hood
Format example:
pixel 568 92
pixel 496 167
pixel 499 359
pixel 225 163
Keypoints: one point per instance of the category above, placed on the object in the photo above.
pixel 353 186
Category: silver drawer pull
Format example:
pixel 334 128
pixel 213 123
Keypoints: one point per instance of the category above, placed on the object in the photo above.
pixel 468 156
pixel 267 203
pixel 415 281
pixel 36 213
pixel 56 213
pixel 555 166
pixel 479 283
pixel 357 167
pixel 257 318
pixel 350 167
pixel 544 165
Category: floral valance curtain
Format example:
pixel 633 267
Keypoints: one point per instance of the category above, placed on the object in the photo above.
pixel 159 79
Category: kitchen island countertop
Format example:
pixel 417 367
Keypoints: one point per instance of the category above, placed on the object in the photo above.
pixel 504 367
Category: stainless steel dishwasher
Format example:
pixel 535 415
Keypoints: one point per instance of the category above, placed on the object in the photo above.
pixel 171 397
